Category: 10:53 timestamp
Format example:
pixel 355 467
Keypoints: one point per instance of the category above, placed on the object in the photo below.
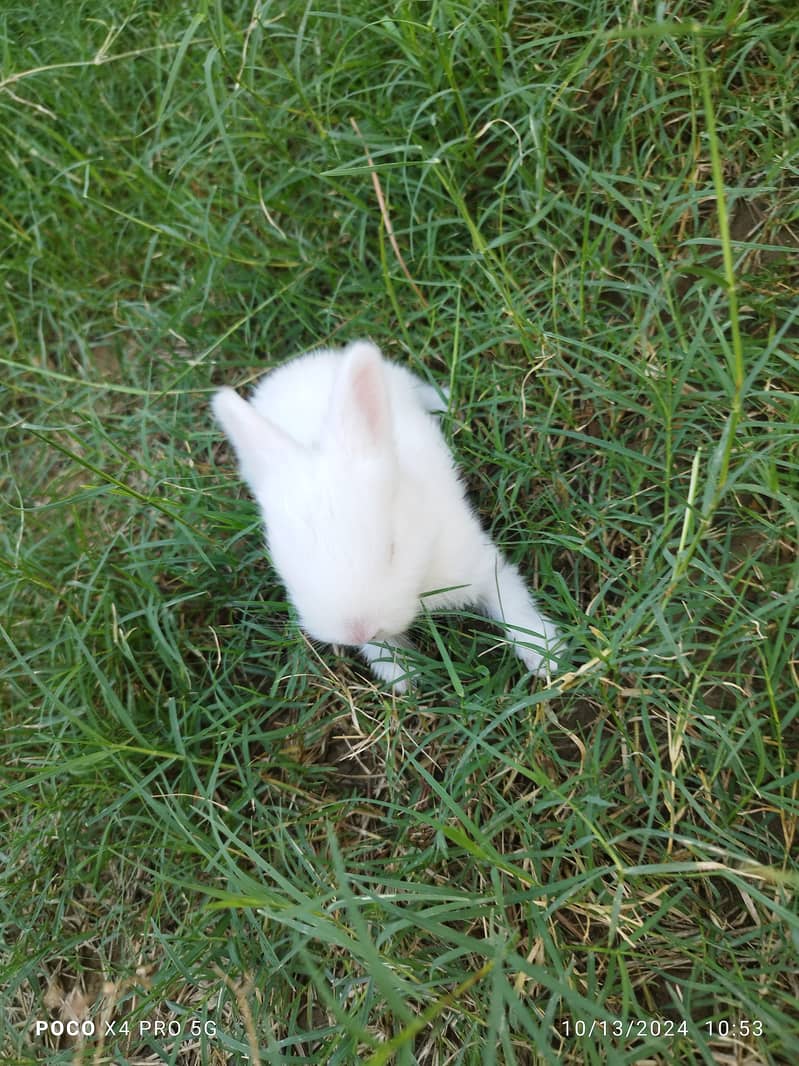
pixel 741 1027
pixel 715 1028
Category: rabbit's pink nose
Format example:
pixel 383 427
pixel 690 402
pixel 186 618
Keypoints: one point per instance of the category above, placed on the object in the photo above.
pixel 360 632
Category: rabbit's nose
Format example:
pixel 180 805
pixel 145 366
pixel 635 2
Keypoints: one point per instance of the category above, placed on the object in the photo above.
pixel 360 632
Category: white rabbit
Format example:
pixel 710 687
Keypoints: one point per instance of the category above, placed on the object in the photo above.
pixel 366 517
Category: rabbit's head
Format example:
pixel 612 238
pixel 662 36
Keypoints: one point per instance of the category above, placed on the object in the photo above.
pixel 341 529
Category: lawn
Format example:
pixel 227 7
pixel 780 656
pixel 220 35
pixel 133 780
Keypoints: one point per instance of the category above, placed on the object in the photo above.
pixel 222 843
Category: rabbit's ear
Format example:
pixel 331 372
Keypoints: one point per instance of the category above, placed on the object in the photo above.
pixel 360 411
pixel 253 438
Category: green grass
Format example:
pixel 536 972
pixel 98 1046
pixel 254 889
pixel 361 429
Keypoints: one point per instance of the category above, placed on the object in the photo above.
pixel 210 823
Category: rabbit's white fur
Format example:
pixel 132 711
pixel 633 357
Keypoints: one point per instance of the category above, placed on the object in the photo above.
pixel 366 517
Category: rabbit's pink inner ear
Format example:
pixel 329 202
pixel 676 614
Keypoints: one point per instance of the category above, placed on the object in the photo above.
pixel 363 414
pixel 369 390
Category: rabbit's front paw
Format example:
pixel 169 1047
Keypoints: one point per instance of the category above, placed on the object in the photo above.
pixel 386 663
